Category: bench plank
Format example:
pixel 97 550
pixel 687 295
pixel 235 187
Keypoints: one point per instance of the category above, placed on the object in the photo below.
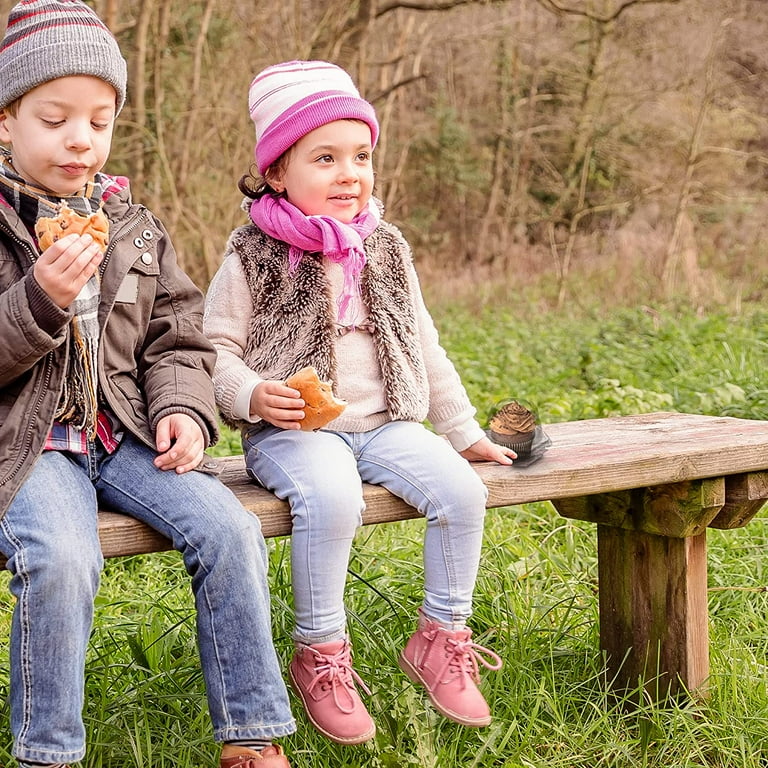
pixel 121 535
pixel 586 457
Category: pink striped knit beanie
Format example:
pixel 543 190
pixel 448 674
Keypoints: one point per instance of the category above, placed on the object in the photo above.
pixel 46 39
pixel 288 100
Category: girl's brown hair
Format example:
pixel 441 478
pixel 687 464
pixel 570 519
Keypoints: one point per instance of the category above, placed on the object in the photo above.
pixel 254 185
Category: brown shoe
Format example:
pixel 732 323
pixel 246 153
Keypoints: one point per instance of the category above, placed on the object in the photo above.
pixel 269 757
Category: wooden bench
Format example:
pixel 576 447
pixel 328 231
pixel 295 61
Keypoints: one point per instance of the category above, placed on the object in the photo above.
pixel 652 483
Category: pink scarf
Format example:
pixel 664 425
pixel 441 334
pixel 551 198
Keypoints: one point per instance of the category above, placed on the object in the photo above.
pixel 341 243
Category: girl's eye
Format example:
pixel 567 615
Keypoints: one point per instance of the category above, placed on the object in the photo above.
pixel 325 159
pixel 363 157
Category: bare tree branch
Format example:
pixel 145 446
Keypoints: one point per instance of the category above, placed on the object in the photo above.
pixel 395 86
pixel 556 7
pixel 427 5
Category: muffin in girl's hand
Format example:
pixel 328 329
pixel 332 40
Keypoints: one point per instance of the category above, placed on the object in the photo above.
pixel 320 404
pixel 513 426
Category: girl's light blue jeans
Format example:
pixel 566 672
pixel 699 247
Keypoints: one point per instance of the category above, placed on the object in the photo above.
pixel 49 535
pixel 321 474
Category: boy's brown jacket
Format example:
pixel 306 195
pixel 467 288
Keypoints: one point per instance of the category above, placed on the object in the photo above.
pixel 153 357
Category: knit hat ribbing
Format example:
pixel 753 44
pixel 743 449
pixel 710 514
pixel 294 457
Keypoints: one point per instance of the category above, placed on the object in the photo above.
pixel 287 101
pixel 46 39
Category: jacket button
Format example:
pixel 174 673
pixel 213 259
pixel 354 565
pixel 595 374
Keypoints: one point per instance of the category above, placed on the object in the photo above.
pixel 146 258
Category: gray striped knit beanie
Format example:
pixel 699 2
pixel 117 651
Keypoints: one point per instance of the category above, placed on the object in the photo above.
pixel 46 39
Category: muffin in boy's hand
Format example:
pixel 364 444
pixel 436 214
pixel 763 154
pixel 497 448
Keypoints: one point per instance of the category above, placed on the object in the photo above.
pixel 67 222
pixel 513 426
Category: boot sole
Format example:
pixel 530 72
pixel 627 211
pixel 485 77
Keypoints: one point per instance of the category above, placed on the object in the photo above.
pixel 413 674
pixel 349 741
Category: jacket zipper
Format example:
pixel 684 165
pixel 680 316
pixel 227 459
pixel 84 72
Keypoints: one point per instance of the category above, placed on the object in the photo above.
pixel 137 219
pixel 46 378
pixel 105 390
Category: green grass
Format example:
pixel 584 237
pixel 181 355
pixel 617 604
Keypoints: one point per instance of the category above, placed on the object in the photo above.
pixel 536 596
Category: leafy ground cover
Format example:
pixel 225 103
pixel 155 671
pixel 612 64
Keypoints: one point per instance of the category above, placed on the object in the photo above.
pixel 536 597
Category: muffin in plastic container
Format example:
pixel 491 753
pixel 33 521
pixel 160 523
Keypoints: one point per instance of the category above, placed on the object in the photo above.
pixel 513 426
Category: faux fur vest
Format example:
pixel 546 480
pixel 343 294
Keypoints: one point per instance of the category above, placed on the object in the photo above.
pixel 294 316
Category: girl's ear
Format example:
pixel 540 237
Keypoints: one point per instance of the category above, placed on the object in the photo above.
pixel 273 177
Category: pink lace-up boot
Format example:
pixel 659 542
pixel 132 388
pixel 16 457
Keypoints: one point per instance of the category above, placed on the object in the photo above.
pixel 445 662
pixel 323 677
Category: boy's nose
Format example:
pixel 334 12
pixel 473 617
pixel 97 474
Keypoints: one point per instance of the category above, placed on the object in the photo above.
pixel 78 137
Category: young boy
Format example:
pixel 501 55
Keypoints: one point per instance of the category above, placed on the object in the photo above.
pixel 106 400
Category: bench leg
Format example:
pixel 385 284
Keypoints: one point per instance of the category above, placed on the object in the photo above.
pixel 653 610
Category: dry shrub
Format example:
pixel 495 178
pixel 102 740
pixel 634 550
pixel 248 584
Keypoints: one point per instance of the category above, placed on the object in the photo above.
pixel 542 147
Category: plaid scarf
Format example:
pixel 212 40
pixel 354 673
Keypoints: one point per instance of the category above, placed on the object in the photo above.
pixel 79 400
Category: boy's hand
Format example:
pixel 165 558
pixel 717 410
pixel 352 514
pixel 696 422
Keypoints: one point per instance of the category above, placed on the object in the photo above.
pixel 282 406
pixel 180 443
pixel 485 450
pixel 64 268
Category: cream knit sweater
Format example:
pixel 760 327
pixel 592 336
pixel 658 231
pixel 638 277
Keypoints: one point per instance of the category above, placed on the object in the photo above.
pixel 228 310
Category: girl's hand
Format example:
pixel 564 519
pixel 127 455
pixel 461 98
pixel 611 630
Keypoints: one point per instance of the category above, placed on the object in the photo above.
pixel 485 450
pixel 279 405
pixel 180 443
pixel 66 266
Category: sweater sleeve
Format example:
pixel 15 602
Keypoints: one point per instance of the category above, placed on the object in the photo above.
pixel 450 410
pixel 228 306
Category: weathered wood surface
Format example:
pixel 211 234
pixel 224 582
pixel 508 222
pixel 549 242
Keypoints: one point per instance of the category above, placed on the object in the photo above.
pixel 586 457
pixel 745 495
pixel 652 581
pixel 679 475
pixel 653 611
pixel 673 509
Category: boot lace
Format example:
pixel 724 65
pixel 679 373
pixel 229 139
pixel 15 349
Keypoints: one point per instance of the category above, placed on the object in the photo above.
pixel 463 657
pixel 335 671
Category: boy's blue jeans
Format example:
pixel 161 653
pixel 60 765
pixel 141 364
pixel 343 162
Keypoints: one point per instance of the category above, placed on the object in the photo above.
pixel 49 535
pixel 321 475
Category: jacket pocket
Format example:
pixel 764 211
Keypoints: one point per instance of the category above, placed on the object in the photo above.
pixel 131 399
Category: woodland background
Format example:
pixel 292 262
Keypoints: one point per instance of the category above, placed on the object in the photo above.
pixel 556 148
pixel 543 157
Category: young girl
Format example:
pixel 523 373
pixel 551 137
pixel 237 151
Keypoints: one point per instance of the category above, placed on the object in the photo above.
pixel 318 278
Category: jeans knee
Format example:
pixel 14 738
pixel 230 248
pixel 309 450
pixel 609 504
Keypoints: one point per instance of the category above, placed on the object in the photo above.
pixel 463 500
pixel 66 569
pixel 329 515
pixel 234 532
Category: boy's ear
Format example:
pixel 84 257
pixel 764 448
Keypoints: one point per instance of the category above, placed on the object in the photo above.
pixel 5 136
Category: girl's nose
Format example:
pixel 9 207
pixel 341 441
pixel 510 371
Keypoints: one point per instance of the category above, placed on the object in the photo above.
pixel 347 171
